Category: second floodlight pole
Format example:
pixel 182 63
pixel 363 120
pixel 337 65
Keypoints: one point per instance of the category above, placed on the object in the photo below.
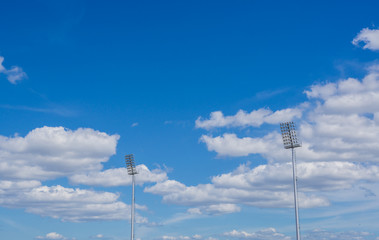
pixel 290 141
pixel 129 160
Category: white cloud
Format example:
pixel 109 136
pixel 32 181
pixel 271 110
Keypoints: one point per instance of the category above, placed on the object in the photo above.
pixel 216 209
pixel 2 68
pixel 230 145
pixel 166 187
pixel 370 38
pixel 65 203
pixel 181 237
pixel 52 236
pixel 312 176
pixel 318 234
pixel 243 119
pixel 68 204
pixel 265 234
pixel 321 91
pixel 51 152
pixel 14 75
pixel 219 199
pixel 348 96
pixel 98 236
pixel 119 177
pixel 101 236
pixel 10 186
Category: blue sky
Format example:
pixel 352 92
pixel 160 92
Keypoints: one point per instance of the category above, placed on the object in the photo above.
pixel 196 91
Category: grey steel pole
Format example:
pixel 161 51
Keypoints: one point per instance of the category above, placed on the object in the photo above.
pixel 132 212
pixel 295 193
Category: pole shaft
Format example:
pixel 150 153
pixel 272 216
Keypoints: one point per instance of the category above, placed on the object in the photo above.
pixel 132 211
pixel 295 193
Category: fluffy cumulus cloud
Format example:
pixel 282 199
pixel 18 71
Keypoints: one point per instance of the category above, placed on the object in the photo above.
pixel 244 119
pixel 369 38
pixel 49 153
pixel 265 234
pixel 52 236
pixel 217 198
pixel 215 209
pixel 68 204
pixel 52 152
pixel 230 145
pixel 14 75
pixel 312 176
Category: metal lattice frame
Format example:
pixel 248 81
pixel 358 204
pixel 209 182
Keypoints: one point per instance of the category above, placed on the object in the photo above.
pixel 130 164
pixel 290 139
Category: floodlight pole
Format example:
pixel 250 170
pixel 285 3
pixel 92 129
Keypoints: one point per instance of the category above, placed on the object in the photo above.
pixel 290 141
pixel 129 160
pixel 294 174
pixel 132 212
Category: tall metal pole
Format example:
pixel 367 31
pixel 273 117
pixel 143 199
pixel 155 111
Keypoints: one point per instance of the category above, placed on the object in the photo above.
pixel 132 214
pixel 290 141
pixel 294 173
pixel 129 160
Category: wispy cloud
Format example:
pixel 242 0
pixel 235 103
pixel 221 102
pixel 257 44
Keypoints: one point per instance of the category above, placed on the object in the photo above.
pixel 269 94
pixel 14 75
pixel 52 110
